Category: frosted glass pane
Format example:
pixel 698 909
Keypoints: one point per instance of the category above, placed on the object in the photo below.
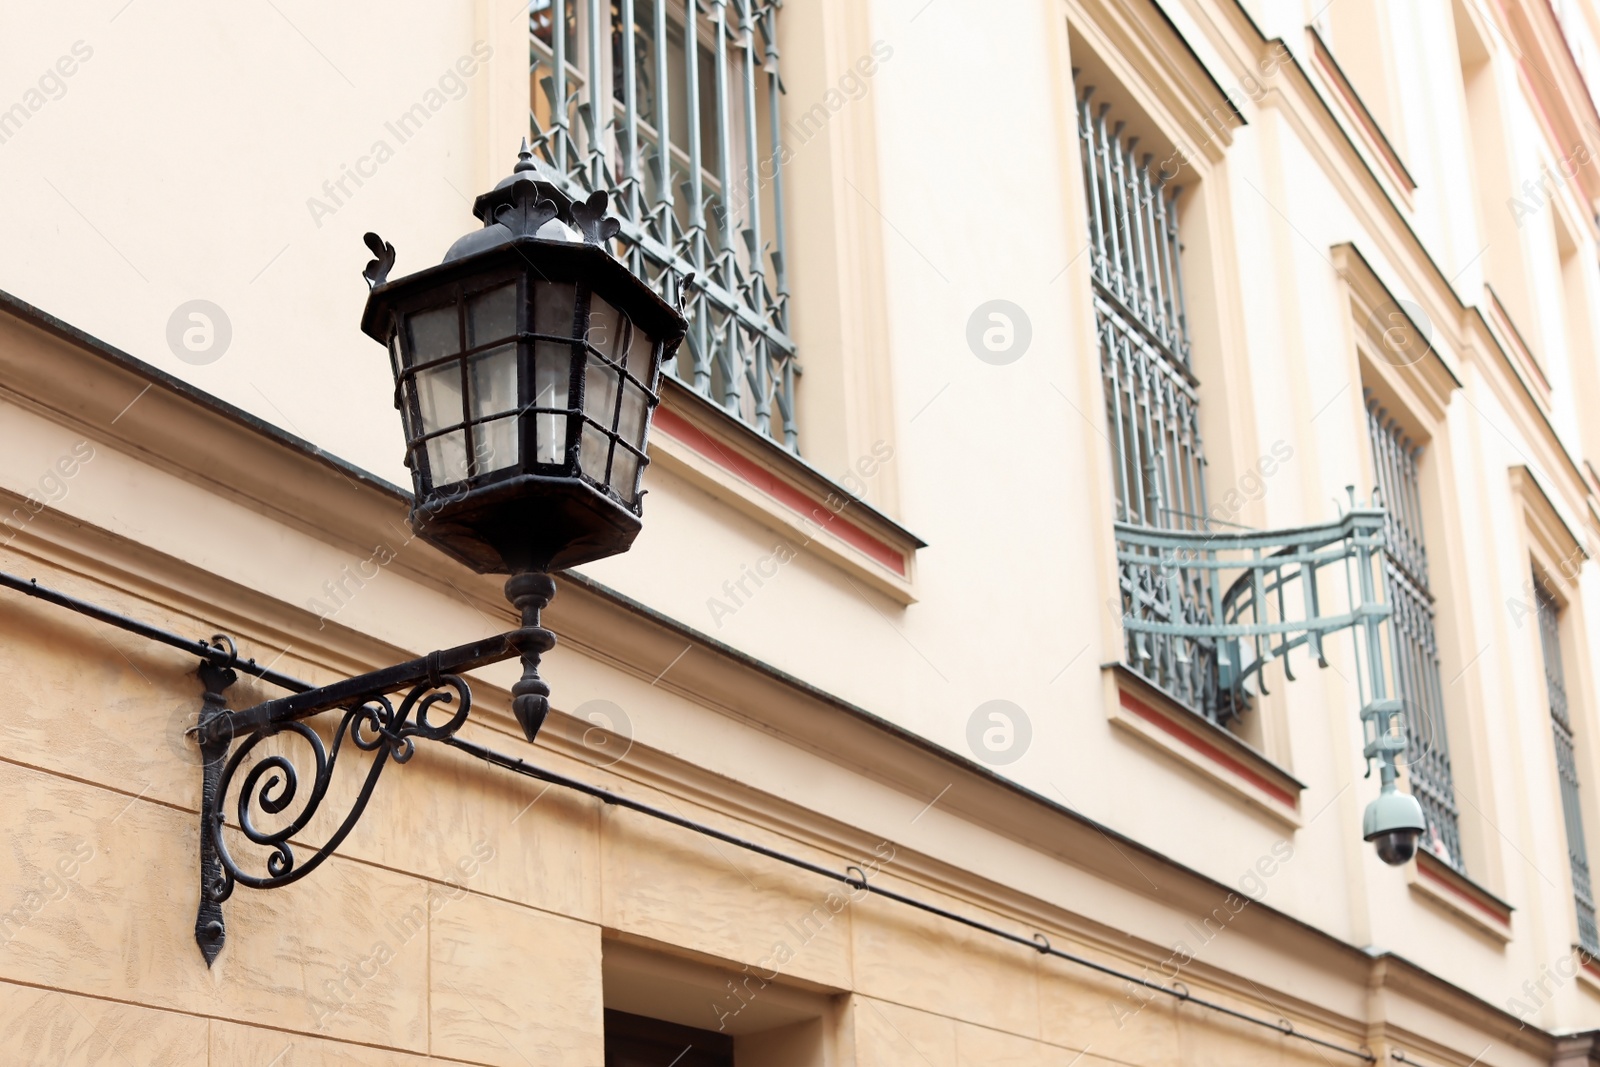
pixel 639 355
pixel 592 450
pixel 600 392
pixel 447 458
pixel 606 328
pixel 496 444
pixel 625 474
pixel 492 378
pixel 630 427
pixel 492 390
pixel 552 380
pixel 492 316
pixel 439 396
pixel 434 333
pixel 553 308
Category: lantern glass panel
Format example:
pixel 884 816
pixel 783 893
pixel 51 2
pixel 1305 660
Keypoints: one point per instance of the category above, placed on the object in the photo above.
pixel 492 385
pixel 554 307
pixel 439 401
pixel 624 474
pixel 600 392
pixel 641 352
pixel 593 452
pixel 600 405
pixel 635 407
pixel 607 326
pixel 552 380
pixel 435 333
pixel 492 316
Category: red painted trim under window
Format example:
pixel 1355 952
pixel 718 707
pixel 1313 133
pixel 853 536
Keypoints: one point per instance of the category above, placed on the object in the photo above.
pixel 1206 748
pixel 680 429
pixel 1437 875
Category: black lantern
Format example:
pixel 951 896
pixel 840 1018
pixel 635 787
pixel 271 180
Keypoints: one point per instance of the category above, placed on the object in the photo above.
pixel 525 370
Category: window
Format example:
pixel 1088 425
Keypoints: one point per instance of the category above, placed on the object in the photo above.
pixel 635 1041
pixel 1152 403
pixel 687 139
pixel 1555 684
pixel 1414 647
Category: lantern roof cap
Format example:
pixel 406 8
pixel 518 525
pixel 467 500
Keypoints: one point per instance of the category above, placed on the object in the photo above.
pixel 529 202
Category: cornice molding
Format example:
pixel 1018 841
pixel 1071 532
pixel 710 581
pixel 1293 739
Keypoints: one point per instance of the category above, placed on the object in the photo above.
pixel 1520 356
pixel 1557 536
pixel 1404 358
pixel 1139 35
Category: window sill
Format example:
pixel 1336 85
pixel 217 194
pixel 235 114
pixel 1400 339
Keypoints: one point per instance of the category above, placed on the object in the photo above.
pixel 696 440
pixel 1357 114
pixel 1588 969
pixel 1438 882
pixel 1134 705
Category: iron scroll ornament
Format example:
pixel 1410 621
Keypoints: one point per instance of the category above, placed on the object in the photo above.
pixel 272 783
pixel 369 720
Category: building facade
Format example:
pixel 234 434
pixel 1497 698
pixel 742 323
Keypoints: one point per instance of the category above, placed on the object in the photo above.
pixel 1071 389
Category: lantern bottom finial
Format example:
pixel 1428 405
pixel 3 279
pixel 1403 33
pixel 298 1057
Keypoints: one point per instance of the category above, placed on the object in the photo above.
pixel 530 593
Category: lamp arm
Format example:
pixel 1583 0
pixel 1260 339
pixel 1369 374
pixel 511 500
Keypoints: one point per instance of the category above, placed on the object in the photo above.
pixel 269 783
pixel 435 665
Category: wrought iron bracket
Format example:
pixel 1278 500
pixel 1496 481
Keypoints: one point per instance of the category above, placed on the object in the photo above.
pixel 208 925
pixel 372 720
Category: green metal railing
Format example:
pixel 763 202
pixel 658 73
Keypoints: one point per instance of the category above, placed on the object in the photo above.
pixel 1238 601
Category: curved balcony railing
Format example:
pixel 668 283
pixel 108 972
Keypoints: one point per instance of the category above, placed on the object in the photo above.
pixel 1204 613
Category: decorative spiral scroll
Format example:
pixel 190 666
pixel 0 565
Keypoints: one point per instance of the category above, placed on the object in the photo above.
pixel 273 783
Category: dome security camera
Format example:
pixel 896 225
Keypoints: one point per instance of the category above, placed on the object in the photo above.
pixel 1393 823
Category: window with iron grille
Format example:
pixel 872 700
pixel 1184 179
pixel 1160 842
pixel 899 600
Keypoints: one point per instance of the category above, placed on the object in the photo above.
pixel 685 134
pixel 1152 404
pixel 1414 647
pixel 1555 684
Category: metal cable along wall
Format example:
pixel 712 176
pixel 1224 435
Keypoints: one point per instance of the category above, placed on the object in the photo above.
pixel 1555 682
pixel 1414 647
pixel 210 652
pixel 691 145
pixel 1152 408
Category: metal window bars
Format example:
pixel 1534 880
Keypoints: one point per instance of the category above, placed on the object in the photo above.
pixel 1555 681
pixel 1133 227
pixel 691 144
pixel 1152 407
pixel 1414 650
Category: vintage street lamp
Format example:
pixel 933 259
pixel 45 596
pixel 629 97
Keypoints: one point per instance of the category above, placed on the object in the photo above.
pixel 525 370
